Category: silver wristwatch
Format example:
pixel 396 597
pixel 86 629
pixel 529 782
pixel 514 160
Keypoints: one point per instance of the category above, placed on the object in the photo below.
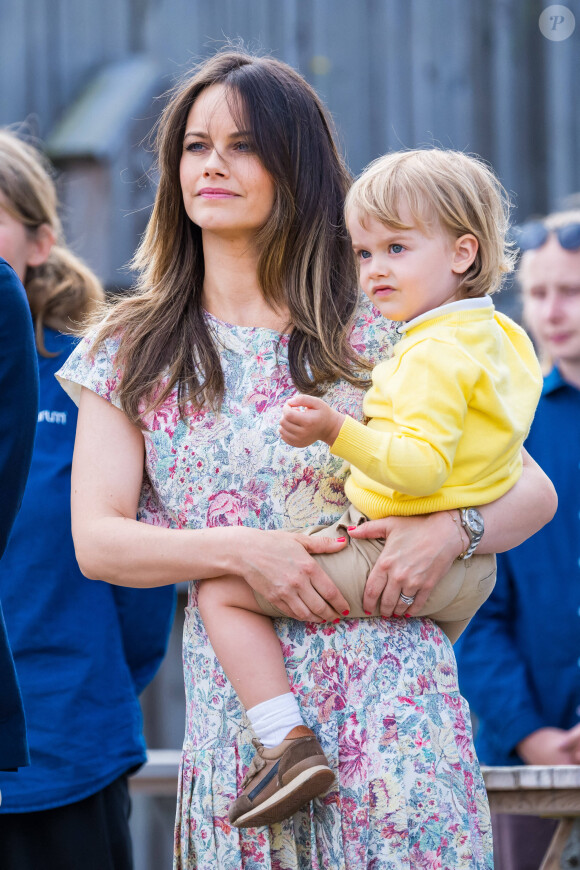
pixel 472 522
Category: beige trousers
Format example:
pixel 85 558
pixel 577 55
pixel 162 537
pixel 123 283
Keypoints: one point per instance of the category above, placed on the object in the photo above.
pixel 453 602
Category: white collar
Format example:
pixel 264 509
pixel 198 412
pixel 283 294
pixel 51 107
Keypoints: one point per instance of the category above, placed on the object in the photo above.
pixel 449 307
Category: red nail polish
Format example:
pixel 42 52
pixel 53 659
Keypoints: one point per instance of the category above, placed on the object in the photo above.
pixel 351 528
pixel 345 612
pixel 340 540
pixel 335 621
pixel 367 612
pixel 407 615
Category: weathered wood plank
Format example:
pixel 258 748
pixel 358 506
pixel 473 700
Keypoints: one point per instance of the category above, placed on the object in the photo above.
pixel 14 81
pixel 562 145
pixel 541 802
pixel 394 73
pixel 532 777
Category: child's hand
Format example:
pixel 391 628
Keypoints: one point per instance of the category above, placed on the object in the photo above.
pixel 306 419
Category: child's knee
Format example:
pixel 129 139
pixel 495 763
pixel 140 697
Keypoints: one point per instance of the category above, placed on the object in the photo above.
pixel 217 593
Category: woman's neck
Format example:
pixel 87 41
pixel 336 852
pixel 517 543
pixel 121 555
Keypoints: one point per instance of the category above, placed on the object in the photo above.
pixel 231 291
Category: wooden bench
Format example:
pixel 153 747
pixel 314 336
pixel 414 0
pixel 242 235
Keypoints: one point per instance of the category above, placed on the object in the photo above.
pixel 159 776
pixel 538 791
pixel 530 791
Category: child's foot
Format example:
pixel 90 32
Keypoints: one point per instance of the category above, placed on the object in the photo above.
pixel 281 780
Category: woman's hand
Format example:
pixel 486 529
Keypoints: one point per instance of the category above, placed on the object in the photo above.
pixel 418 552
pixel 278 566
pixel 306 419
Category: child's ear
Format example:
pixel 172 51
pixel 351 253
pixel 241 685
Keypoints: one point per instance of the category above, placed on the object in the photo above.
pixel 40 245
pixel 464 253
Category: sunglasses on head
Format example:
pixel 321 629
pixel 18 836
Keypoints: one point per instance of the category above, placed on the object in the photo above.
pixel 534 234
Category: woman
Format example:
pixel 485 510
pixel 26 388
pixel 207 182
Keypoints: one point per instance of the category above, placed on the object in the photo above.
pixel 83 650
pixel 248 293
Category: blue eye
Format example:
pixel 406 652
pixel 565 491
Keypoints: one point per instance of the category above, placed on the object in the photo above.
pixel 396 248
pixel 364 255
pixel 196 147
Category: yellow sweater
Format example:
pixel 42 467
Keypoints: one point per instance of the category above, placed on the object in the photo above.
pixel 448 415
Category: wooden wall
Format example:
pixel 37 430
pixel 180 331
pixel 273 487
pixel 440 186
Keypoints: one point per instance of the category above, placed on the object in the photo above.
pixel 473 74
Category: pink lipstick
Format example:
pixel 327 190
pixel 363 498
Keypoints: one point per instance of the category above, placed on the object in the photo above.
pixel 216 193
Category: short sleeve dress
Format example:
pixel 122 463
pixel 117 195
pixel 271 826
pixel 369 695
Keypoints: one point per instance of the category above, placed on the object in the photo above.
pixel 381 694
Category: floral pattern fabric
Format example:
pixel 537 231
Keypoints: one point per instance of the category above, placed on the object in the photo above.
pixel 381 695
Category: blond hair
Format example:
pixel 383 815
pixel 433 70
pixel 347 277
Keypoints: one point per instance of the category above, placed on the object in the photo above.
pixel 455 191
pixel 62 291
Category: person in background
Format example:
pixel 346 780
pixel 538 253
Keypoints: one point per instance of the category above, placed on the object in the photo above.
pixel 83 650
pixel 519 660
pixel 19 396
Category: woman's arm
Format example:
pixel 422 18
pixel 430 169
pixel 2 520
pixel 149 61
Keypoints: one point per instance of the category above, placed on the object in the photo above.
pixel 521 512
pixel 111 545
pixel 420 550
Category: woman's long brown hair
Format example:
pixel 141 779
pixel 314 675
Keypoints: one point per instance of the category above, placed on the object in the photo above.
pixel 305 260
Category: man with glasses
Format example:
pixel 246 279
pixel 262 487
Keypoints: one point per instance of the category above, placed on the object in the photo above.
pixel 519 660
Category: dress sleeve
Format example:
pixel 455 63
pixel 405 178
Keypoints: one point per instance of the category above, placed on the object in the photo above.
pixel 93 368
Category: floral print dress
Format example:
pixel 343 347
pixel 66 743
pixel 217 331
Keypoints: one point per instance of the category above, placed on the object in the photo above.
pixel 381 695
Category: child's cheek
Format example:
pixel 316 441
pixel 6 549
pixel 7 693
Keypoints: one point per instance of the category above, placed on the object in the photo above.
pixel 363 276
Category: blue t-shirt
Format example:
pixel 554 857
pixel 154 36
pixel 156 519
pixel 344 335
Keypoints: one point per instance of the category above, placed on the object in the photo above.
pixel 519 659
pixel 83 649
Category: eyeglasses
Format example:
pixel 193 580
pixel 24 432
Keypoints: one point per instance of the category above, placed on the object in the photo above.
pixel 534 234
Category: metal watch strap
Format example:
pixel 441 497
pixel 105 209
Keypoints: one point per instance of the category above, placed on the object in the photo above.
pixel 474 536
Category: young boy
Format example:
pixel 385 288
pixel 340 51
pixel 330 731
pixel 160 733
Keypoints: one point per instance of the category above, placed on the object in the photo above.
pixel 447 418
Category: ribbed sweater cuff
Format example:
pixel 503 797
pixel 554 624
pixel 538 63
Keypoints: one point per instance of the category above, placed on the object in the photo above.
pixel 357 443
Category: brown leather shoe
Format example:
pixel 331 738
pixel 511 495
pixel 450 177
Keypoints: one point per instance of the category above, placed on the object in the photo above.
pixel 281 780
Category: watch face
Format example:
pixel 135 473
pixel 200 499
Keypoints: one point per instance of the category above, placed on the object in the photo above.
pixel 474 520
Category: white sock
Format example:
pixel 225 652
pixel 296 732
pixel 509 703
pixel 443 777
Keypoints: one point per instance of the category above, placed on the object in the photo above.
pixel 272 720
